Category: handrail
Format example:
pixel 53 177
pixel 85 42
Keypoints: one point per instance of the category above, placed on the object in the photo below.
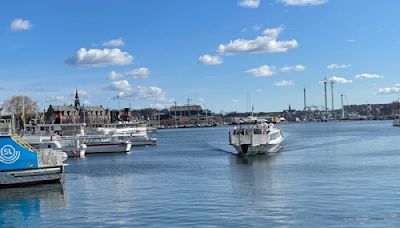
pixel 22 142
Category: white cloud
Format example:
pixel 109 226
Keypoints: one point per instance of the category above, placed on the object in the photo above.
pixel 100 57
pixel 141 72
pixel 339 80
pixel 367 76
pixel 303 2
pixel 114 75
pixel 350 41
pixel 283 83
pixel 114 43
pixel 249 3
pixel 390 90
pixel 58 98
pixel 210 60
pixel 267 43
pixel 122 85
pixel 293 68
pixel 262 71
pixel 234 101
pixel 337 66
pixel 19 24
pixel 149 93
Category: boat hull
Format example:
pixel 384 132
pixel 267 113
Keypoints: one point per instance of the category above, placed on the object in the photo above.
pixel 249 150
pixel 25 177
pixel 108 148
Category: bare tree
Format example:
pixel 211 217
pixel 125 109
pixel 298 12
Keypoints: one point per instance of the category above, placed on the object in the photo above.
pixel 22 107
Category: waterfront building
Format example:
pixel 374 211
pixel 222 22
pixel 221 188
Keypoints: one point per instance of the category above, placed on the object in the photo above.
pixel 94 115
pixel 189 111
pixel 91 115
pixel 62 114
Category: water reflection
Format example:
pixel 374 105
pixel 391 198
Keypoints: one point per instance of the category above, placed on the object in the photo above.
pixel 259 159
pixel 257 183
pixel 22 207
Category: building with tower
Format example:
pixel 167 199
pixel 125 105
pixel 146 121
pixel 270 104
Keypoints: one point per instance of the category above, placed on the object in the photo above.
pixel 91 115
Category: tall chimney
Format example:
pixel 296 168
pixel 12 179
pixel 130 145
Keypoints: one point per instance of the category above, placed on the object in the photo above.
pixel 342 106
pixel 326 95
pixel 333 103
pixel 305 100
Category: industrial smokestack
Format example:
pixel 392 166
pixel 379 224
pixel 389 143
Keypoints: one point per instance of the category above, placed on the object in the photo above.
pixel 326 95
pixel 305 100
pixel 333 103
pixel 342 106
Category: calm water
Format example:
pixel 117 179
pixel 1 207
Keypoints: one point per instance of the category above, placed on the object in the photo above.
pixel 327 174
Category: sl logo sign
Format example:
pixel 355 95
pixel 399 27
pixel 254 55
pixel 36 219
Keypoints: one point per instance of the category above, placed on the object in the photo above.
pixel 8 154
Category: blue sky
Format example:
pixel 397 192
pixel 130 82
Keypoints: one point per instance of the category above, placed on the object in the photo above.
pixel 213 52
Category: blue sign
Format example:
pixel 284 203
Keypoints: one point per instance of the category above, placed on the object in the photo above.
pixel 13 156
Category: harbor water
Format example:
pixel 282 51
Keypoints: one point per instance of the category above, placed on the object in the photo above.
pixel 338 174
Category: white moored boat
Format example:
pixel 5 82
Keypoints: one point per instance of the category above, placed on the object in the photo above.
pixel 104 144
pixel 256 139
pixel 396 121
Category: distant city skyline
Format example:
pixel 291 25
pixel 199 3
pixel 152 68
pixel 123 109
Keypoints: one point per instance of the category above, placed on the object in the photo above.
pixel 217 53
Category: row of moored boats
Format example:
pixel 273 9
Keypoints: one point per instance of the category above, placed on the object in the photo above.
pixel 77 140
pixel 37 155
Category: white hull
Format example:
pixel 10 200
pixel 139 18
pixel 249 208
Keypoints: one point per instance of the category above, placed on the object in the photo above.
pixel 108 148
pixel 31 176
pixel 75 153
pixel 259 149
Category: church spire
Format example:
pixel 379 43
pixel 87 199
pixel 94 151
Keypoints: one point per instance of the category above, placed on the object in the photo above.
pixel 77 101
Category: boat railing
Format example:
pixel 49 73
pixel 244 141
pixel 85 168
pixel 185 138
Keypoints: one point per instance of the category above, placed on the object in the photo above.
pixel 22 142
pixel 250 131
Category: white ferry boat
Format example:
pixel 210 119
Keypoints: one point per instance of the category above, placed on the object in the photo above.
pixel 256 139
pixel 20 164
pixel 104 144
